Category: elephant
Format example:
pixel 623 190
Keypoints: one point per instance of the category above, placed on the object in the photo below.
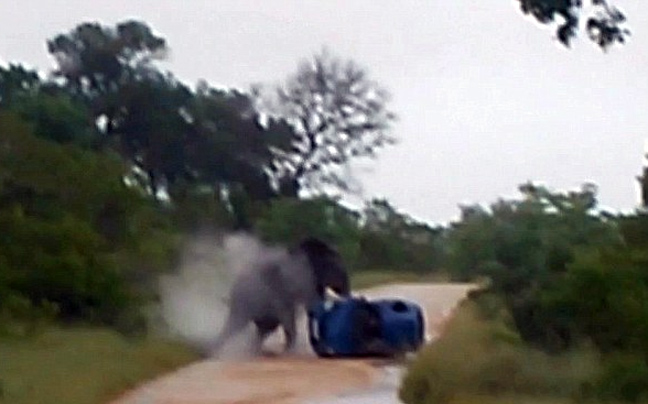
pixel 269 292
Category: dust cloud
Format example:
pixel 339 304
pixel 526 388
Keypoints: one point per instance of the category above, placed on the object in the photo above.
pixel 194 299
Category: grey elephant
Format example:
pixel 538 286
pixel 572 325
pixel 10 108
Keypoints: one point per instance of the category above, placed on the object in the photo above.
pixel 268 293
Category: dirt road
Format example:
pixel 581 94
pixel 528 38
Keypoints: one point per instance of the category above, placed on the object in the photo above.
pixel 291 380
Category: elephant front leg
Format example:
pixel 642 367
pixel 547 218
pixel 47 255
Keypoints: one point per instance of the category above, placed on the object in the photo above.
pixel 264 327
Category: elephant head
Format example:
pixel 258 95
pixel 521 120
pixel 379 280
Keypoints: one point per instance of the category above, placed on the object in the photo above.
pixel 328 267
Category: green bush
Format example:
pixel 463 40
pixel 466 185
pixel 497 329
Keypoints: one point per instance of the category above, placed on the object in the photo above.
pixel 73 234
pixel 19 317
pixel 603 297
pixel 64 264
pixel 483 358
pixel 625 377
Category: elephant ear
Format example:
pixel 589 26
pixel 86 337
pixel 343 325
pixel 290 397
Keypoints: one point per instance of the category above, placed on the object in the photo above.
pixel 327 264
pixel 314 247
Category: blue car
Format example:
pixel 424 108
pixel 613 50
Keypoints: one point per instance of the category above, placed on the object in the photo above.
pixel 357 327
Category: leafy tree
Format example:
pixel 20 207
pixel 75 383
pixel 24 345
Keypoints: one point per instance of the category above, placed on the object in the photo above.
pixel 95 60
pixel 153 133
pixel 111 71
pixel 604 23
pixel 230 146
pixel 174 137
pixel 338 114
pixel 58 118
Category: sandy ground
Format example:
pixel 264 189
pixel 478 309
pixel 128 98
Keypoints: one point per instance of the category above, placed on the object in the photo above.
pixel 299 378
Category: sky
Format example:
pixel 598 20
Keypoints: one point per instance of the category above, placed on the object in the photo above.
pixel 486 98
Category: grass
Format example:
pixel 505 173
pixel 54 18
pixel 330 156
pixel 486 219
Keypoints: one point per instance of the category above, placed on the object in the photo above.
pixel 81 365
pixel 479 361
pixel 366 279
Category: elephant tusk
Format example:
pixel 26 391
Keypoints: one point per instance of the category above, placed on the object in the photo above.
pixel 330 293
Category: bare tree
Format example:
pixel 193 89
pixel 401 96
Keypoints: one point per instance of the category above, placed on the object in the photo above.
pixel 337 113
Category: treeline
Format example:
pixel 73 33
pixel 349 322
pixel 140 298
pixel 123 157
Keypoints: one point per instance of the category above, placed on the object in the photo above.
pixel 107 161
pixel 561 276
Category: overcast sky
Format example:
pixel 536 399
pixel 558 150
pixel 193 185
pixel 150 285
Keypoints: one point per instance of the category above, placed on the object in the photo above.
pixel 486 98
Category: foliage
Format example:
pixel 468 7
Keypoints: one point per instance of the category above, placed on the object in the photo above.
pixel 563 274
pixel 478 360
pixel 604 22
pixel 229 147
pixel 17 83
pixel 524 248
pixel 58 118
pixel 94 59
pixel 624 377
pixel 172 135
pixel 65 216
pixel 604 297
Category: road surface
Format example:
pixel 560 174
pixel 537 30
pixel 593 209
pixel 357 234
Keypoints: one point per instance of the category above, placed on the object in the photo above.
pixel 301 378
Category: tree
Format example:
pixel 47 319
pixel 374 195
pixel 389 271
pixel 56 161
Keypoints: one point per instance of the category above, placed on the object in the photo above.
pixel 96 60
pixel 152 131
pixel 231 147
pixel 604 23
pixel 17 82
pixel 111 71
pixel 174 138
pixel 338 114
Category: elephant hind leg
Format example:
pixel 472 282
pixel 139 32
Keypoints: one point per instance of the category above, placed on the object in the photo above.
pixel 233 326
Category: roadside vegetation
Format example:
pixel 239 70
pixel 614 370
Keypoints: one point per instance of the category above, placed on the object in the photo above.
pixel 81 365
pixel 479 360
pixel 563 313
pixel 108 163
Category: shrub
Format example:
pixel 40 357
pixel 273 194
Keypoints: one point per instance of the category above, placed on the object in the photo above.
pixel 625 377
pixel 476 357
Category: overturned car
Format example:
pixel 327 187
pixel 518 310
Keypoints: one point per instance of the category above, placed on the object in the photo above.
pixel 357 327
